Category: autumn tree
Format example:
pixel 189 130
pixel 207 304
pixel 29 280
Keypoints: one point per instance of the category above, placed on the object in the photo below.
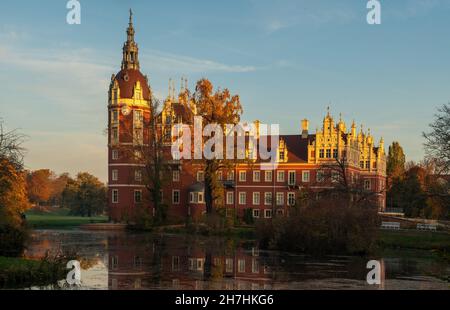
pixel 13 195
pixel 58 184
pixel 39 185
pixel 437 141
pixel 85 195
pixel 216 107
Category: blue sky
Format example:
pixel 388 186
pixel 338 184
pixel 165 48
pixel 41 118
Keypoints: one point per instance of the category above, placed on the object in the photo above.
pixel 287 59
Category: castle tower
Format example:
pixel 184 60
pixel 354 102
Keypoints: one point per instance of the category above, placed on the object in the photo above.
pixel 129 113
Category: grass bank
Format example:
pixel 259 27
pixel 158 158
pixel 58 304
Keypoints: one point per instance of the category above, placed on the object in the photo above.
pixel 60 218
pixel 22 273
pixel 436 242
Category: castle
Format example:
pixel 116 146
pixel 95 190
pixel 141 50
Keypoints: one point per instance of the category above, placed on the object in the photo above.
pixel 265 193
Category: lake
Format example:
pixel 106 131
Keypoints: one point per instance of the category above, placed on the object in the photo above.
pixel 125 260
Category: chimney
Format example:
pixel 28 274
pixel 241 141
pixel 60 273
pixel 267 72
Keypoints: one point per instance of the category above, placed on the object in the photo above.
pixel 305 126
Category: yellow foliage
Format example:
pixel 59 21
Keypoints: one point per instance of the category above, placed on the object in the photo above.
pixel 13 194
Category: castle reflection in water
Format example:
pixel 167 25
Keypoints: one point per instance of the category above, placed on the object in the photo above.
pixel 177 262
pixel 123 260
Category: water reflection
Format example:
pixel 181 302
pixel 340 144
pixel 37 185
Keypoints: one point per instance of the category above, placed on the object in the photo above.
pixel 149 261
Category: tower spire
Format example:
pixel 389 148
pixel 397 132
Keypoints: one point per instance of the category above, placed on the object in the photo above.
pixel 130 48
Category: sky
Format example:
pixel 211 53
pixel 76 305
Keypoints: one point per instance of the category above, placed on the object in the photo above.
pixel 287 59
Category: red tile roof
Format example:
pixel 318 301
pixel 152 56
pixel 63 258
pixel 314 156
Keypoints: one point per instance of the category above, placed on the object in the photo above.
pixel 127 79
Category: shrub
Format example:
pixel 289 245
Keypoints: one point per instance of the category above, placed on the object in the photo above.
pixel 322 228
pixel 248 216
pixel 12 240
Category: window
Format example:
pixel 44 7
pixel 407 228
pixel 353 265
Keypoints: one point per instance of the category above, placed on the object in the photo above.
pixel 291 199
pixel 229 212
pixel 241 265
pixel 176 197
pixel 220 176
pixel 138 136
pixel 242 176
pixel 291 178
pixel 230 198
pixel 137 92
pixel 367 164
pixel 175 263
pixel 268 198
pixel 229 265
pixel 115 196
pixel 328 153
pixel 137 155
pixel 231 176
pixel 321 153
pixel 115 116
pixel 305 176
pixel 255 266
pixel 115 135
pixel 196 197
pixel 138 196
pixel 115 175
pixel 114 262
pixel 137 262
pixel 138 117
pixel 256 199
pixel 335 153
pixel 280 199
pixel 268 213
pixel 367 185
pixel 361 164
pixel 256 176
pixel 242 198
pixel 280 176
pixel 280 212
pixel 138 175
pixel 268 176
pixel 176 175
pixel 256 213
pixel 115 154
pixel 200 176
pixel 374 165
pixel 320 176
pixel 282 156
pixel 335 177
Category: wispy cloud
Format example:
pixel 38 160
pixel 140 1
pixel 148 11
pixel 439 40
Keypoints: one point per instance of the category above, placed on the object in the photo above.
pixel 293 13
pixel 169 62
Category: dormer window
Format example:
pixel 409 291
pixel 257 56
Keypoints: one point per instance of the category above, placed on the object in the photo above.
pixel 138 94
pixel 282 151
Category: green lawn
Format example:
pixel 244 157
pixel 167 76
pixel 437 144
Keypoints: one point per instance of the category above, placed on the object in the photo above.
pixel 60 219
pixel 411 239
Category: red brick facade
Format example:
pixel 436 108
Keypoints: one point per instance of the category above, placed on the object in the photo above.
pixel 265 193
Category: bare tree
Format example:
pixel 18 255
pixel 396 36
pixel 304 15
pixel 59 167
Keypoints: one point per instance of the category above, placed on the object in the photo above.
pixel 437 144
pixel 11 146
pixel 350 188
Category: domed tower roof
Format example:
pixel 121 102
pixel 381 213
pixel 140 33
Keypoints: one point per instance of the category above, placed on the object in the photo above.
pixel 130 74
